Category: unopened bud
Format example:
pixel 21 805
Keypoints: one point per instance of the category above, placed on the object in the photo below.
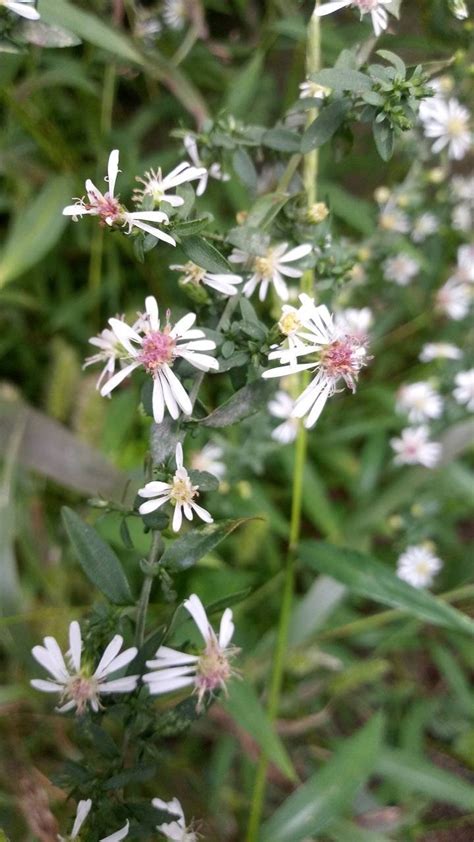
pixel 317 212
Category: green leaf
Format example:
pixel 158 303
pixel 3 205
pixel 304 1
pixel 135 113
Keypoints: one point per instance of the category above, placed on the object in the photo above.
pixel 99 562
pixel 368 578
pixel 384 139
pixel 163 440
pixel 191 226
pixel 203 479
pixel 244 402
pixel 36 229
pixel 419 775
pixel 137 774
pixel 89 27
pixel 186 550
pixel 330 792
pixel 245 708
pixel 342 79
pixel 203 254
pixel 244 168
pixel 245 86
pixel 326 124
pixel 282 139
pixel 264 211
pixel 397 62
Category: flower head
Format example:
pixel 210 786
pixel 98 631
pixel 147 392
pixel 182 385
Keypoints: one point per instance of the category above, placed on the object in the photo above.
pixel 313 90
pixel 175 13
pixel 209 459
pixel 83 810
pixel 419 401
pixel 111 212
pixel 418 566
pixel 373 7
pixel 268 268
pixel 415 448
pixel 180 492
pixel 176 830
pixel 156 348
pixel 77 685
pixel 464 391
pixel 194 274
pixel 400 269
pixel 424 226
pixel 453 299
pixel 213 171
pixel 439 351
pixel 23 8
pixel 447 121
pixel 206 672
pixel 156 185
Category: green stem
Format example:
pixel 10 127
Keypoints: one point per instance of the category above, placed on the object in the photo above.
pixel 226 314
pixel 310 174
pixel 156 550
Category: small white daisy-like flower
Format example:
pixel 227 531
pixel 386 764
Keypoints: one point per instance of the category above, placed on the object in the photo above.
pixel 180 492
pixel 415 448
pixel 156 350
pixel 191 273
pixel 209 459
pixel 462 187
pixel 447 121
pixel 453 299
pixel 462 217
pixel 83 810
pixel 418 566
pixel 465 267
pixel 111 212
pixel 355 322
pixel 392 218
pixel 419 401
pixel 334 357
pixel 400 269
pixel 77 685
pixel 313 90
pixel 376 9
pixel 269 268
pixel 439 351
pixel 213 171
pixel 282 406
pixel 205 673
pixel 23 8
pixel 464 391
pixel 156 185
pixel 175 13
pixel 175 830
pixel 423 227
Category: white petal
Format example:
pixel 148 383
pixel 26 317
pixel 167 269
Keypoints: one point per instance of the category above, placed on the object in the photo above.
pixel 201 361
pixel 179 455
pixel 166 654
pixel 119 662
pixel 159 687
pixel 152 489
pixel 83 810
pixel 51 657
pixel 170 401
pixel 156 232
pixel 152 505
pixel 157 399
pixel 281 288
pixel 28 12
pixel 202 513
pixel 118 835
pixel 112 170
pixel 317 408
pixel 332 6
pixel 76 210
pixel 75 645
pixel 46 686
pixel 177 518
pixel 200 345
pixel 179 392
pixel 151 307
pixel 227 629
pixel 183 325
pixel 126 335
pixel 119 685
pixel 149 216
pixel 198 613
pixel 110 653
pixel 296 253
pixel 117 379
pixel 170 672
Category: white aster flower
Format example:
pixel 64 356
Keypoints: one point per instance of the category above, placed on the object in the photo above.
pixel 111 212
pixel 415 448
pixel 313 90
pixel 462 217
pixel 424 226
pixel 439 351
pixel 207 672
pixel 214 171
pixel 400 269
pixel 269 267
pixel 83 810
pixel 175 13
pixel 77 685
pixel 157 186
pixel 464 391
pixel 373 7
pixel 176 830
pixel 453 299
pixel 334 357
pixel 392 218
pixel 156 350
pixel 209 459
pixel 462 187
pixel 355 322
pixel 465 267
pixel 179 492
pixel 419 401
pixel 418 566
pixel 194 274
pixel 282 406
pixel 447 121
pixel 24 8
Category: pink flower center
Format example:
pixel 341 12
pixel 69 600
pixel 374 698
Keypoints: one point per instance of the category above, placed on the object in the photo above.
pixel 366 5
pixel 344 358
pixel 81 690
pixel 107 207
pixel 213 670
pixel 158 349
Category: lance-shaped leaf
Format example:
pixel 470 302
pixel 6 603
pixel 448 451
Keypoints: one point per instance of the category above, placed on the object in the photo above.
pixel 245 402
pixel 419 775
pixel 326 124
pixel 329 793
pixel 342 79
pixel 189 548
pixel 245 708
pixel 203 254
pixel 97 559
pixel 367 577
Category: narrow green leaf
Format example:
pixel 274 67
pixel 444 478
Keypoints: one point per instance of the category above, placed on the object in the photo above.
pixel 342 79
pixel 191 226
pixel 245 86
pixel 89 27
pixel 397 62
pixel 384 139
pixel 244 402
pixel 245 708
pixel 244 168
pixel 189 548
pixel 419 775
pixel 368 578
pixel 326 124
pixel 36 230
pixel 203 254
pixel 97 559
pixel 282 139
pixel 330 792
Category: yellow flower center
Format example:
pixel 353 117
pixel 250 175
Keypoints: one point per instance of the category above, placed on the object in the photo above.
pixel 289 323
pixel 456 126
pixel 182 491
pixel 192 274
pixel 263 266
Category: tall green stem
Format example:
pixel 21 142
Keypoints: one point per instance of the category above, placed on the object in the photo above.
pixel 156 550
pixel 310 174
